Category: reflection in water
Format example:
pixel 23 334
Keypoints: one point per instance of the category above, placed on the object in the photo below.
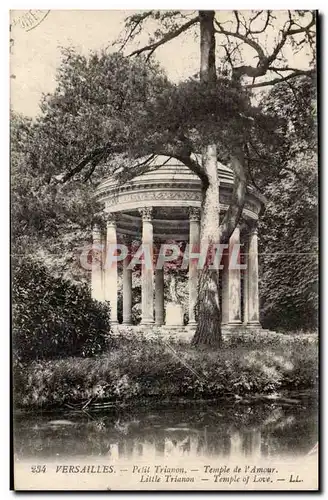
pixel 234 430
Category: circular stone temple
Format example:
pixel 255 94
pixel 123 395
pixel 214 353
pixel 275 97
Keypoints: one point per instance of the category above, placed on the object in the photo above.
pixel 163 205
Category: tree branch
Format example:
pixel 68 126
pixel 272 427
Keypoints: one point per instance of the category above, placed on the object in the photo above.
pixel 289 32
pixel 237 19
pixel 195 167
pixel 94 164
pixel 302 29
pixel 252 43
pixel 266 83
pixel 257 32
pixel 135 21
pixel 263 61
pixel 94 157
pixel 169 36
pixel 140 168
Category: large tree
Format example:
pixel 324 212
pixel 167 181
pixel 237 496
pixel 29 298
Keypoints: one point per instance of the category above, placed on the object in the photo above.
pixel 105 105
pixel 296 31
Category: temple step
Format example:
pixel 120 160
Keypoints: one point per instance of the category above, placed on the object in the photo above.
pixel 183 333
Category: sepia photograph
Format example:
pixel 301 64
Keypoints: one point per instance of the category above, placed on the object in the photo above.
pixel 164 189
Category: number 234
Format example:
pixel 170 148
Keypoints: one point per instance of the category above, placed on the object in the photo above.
pixel 38 468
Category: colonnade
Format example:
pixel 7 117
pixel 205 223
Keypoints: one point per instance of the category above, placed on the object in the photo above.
pixel 240 304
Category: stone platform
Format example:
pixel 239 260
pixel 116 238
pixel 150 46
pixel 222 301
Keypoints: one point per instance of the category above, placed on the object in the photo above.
pixel 183 333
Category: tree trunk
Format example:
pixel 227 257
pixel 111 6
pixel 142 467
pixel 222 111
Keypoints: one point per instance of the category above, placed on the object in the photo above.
pixel 208 330
pixel 207 46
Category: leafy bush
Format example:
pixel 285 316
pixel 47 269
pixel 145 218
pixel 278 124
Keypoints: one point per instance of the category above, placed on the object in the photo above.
pixel 289 248
pixel 55 318
pixel 138 368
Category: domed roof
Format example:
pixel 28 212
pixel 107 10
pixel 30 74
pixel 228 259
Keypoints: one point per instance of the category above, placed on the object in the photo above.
pixel 165 169
pixel 169 184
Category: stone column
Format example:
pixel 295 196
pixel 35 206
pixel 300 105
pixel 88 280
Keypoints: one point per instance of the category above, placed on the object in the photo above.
pixel 147 274
pixel 231 289
pixel 194 242
pixel 127 292
pixel 97 291
pixel 245 285
pixel 253 277
pixel 225 289
pixel 111 268
pixel 159 297
pixel 234 280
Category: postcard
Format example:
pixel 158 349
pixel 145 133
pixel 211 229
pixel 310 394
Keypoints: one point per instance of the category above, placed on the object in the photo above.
pixel 164 250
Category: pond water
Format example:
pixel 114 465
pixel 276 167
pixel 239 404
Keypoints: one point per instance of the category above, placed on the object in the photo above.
pixel 269 428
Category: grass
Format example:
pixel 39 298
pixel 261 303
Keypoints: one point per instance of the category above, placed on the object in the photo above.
pixel 138 369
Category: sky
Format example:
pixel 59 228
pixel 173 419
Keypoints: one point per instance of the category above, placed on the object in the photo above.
pixel 37 37
pixel 35 54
